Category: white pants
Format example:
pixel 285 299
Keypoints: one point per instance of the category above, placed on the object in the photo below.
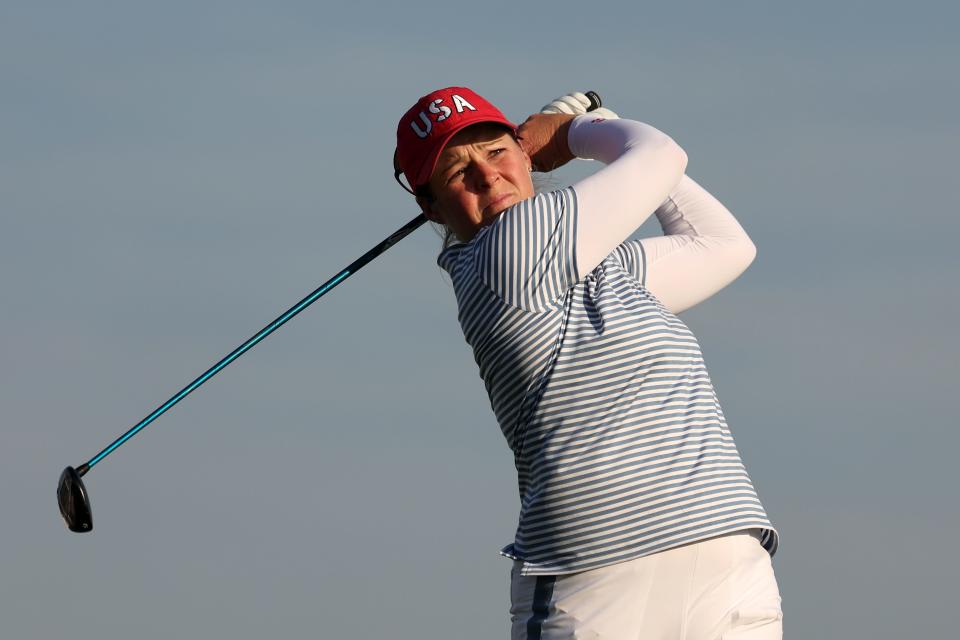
pixel 718 589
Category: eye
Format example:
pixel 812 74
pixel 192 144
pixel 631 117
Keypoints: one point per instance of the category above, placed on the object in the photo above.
pixel 497 151
pixel 454 175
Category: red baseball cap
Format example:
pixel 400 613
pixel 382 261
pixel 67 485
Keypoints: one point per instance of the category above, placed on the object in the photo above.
pixel 427 126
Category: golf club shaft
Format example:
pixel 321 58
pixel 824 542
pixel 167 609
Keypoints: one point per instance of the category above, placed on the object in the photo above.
pixel 315 295
pixel 319 292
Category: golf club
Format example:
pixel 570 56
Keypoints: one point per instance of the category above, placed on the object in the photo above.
pixel 72 496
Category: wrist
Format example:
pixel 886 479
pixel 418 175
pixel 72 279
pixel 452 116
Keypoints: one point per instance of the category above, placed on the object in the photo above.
pixel 561 146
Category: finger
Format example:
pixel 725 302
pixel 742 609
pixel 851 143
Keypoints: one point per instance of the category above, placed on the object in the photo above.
pixel 574 103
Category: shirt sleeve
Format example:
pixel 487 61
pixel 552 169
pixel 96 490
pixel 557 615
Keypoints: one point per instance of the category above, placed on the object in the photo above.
pixel 643 166
pixel 528 255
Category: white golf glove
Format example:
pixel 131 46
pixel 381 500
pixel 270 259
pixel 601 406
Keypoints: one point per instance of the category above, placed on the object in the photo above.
pixel 576 103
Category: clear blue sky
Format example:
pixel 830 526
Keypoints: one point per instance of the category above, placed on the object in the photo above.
pixel 173 175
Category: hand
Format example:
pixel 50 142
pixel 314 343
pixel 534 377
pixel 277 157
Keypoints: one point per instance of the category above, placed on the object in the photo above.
pixel 544 138
pixel 577 103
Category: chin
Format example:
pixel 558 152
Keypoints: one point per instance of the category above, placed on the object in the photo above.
pixel 503 206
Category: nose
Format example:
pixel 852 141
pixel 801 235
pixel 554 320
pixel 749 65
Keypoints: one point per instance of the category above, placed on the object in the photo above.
pixel 485 174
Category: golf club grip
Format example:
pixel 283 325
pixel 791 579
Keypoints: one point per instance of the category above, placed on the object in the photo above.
pixel 286 316
pixel 595 101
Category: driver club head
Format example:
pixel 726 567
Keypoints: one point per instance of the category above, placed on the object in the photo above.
pixel 74 502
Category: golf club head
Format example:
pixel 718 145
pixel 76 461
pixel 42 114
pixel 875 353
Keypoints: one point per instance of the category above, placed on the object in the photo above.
pixel 74 502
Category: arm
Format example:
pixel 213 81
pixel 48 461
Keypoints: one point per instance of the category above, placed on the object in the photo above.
pixel 643 167
pixel 703 248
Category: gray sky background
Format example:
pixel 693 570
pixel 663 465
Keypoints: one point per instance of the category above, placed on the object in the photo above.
pixel 174 175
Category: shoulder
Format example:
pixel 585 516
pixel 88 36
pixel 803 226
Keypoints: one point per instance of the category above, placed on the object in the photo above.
pixel 530 216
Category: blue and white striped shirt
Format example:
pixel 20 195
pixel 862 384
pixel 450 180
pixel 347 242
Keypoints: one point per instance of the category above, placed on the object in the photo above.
pixel 620 444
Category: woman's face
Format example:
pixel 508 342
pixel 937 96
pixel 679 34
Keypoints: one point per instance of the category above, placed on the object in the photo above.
pixel 480 173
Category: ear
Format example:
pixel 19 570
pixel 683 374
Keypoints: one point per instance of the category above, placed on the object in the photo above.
pixel 526 156
pixel 529 162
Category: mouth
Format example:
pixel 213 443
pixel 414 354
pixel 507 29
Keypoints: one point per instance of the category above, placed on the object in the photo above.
pixel 498 204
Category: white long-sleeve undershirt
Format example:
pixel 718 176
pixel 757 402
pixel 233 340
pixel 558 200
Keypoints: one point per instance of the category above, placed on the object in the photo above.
pixel 704 247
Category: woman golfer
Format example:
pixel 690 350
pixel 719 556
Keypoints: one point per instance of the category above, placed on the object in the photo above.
pixel 637 517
